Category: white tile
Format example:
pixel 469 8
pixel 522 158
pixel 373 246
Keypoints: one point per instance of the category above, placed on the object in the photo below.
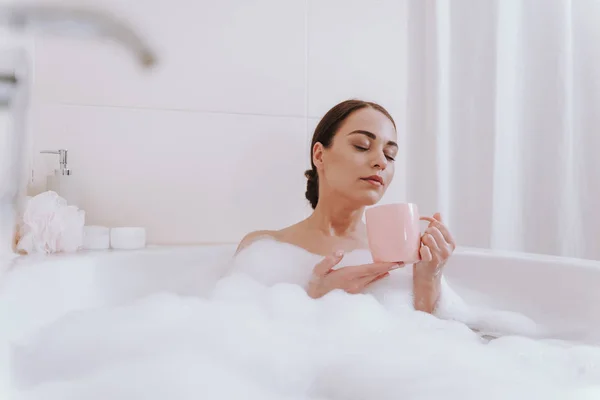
pixel 311 125
pixel 189 177
pixel 356 49
pixel 241 56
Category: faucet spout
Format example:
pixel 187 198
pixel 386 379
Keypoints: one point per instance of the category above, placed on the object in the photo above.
pixel 75 21
pixel 8 83
pixel 15 83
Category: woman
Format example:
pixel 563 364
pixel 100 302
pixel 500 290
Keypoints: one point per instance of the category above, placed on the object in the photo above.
pixel 353 152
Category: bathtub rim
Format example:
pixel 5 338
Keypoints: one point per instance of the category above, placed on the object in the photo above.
pixel 486 253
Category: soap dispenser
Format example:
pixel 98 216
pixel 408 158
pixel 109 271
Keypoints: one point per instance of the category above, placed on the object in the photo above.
pixel 61 181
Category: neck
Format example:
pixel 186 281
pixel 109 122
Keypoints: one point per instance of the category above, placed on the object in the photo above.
pixel 336 218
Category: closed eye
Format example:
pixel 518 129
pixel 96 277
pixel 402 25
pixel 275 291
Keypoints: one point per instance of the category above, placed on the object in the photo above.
pixel 360 148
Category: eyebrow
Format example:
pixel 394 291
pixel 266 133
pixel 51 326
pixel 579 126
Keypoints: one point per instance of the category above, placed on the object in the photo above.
pixel 372 136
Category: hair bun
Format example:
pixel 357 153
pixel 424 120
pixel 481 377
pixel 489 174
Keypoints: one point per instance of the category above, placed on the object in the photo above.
pixel 312 187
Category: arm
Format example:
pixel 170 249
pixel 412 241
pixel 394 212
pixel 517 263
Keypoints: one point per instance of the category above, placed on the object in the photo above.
pixel 426 290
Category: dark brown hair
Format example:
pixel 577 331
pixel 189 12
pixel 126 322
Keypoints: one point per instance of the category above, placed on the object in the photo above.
pixel 324 134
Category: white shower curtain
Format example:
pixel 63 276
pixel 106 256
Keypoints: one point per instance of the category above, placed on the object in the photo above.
pixel 504 121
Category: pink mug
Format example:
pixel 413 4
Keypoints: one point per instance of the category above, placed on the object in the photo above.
pixel 394 233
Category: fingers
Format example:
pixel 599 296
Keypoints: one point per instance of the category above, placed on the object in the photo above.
pixel 438 241
pixel 367 270
pixel 437 236
pixel 379 277
pixel 378 268
pixel 357 285
pixel 354 279
pixel 430 241
pixel 443 245
pixel 440 250
pixel 436 222
pixel 425 252
pixel 429 219
pixel 447 236
pixel 326 264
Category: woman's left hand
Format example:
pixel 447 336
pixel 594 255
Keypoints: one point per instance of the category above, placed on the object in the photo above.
pixel 437 245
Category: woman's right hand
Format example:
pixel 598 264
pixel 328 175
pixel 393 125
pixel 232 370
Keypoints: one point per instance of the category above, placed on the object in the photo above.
pixel 350 279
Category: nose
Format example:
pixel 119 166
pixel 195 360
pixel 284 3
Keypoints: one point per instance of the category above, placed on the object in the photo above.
pixel 379 160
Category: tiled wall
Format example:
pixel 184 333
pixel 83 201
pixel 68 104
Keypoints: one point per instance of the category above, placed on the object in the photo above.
pixel 214 142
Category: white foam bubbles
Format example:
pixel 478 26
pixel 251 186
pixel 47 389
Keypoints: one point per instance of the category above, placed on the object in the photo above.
pixel 256 341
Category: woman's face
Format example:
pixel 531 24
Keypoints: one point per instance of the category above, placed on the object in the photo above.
pixel 359 164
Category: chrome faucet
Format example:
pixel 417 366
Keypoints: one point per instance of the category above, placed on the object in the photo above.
pixel 72 21
pixel 56 19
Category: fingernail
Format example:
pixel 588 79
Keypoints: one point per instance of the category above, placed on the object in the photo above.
pixel 339 253
pixel 396 266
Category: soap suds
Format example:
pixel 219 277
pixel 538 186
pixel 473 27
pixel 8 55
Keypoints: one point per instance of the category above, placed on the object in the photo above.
pixel 253 338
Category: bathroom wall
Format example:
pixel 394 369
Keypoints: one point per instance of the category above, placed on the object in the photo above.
pixel 16 52
pixel 213 143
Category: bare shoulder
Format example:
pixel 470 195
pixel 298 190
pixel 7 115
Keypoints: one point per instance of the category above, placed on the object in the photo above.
pixel 254 236
pixel 291 234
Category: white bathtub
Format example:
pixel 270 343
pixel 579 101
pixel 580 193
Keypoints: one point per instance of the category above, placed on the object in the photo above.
pixel 560 293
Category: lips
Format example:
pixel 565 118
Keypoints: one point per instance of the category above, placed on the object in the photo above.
pixel 374 179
